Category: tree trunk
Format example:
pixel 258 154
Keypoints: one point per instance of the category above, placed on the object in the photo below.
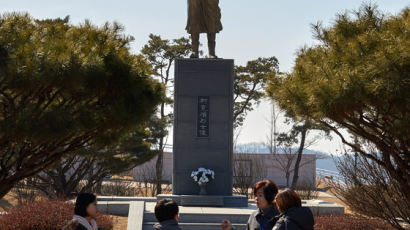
pixel 5 188
pixel 275 118
pixel 158 172
pixel 159 163
pixel 287 179
pixel 299 157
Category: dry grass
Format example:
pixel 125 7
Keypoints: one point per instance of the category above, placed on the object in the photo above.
pixel 8 202
pixel 120 222
pixel 332 199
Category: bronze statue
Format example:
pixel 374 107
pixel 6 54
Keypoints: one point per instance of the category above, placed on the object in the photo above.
pixel 204 16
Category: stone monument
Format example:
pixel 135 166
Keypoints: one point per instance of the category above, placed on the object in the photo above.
pixel 203 130
pixel 203 116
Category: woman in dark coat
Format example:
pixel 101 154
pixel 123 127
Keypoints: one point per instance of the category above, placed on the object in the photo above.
pixel 263 218
pixel 292 215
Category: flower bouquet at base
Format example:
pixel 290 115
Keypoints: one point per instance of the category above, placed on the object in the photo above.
pixel 203 176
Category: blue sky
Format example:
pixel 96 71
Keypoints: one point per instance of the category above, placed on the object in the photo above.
pixel 252 29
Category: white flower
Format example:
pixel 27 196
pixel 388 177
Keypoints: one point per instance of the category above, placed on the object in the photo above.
pixel 203 175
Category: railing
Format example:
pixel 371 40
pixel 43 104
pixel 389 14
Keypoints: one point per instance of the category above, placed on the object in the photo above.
pixel 329 174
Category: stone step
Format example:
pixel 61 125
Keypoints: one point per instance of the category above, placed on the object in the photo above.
pixel 203 218
pixel 196 226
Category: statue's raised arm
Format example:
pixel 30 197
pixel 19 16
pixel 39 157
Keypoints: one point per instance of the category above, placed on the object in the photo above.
pixel 204 16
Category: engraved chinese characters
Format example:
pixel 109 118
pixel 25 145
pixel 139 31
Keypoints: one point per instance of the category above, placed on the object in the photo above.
pixel 203 117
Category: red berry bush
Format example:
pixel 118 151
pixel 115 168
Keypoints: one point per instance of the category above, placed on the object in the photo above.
pixel 50 215
pixel 343 222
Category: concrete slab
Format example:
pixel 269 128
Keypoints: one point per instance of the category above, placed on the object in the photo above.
pixel 149 208
pixel 196 226
pixel 126 198
pixel 119 208
pixel 193 200
pixel 136 215
pixel 320 207
pixel 207 201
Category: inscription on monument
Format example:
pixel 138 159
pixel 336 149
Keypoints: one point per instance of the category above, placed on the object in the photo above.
pixel 203 117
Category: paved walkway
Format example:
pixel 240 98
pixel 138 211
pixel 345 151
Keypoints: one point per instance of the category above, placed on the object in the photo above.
pixel 325 194
pixel 149 207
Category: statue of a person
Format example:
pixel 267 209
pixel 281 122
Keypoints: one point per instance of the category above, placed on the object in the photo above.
pixel 204 16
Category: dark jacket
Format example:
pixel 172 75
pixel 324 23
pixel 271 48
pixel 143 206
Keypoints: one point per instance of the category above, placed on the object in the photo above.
pixel 296 218
pixel 262 219
pixel 167 225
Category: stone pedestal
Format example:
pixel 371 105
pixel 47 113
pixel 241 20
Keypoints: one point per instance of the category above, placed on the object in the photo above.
pixel 203 132
pixel 207 201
